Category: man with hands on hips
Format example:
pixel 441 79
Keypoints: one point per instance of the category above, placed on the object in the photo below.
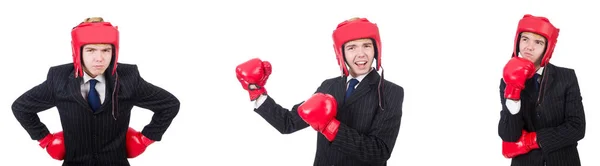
pixel 542 116
pixel 357 114
pixel 94 96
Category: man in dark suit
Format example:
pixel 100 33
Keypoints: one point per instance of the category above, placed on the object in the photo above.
pixel 542 116
pixel 94 103
pixel 357 114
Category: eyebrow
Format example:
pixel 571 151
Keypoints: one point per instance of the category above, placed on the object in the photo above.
pixel 354 45
pixel 350 45
pixel 91 48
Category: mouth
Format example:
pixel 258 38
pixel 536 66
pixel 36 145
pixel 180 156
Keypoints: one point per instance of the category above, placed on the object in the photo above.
pixel 361 64
pixel 527 54
pixel 98 66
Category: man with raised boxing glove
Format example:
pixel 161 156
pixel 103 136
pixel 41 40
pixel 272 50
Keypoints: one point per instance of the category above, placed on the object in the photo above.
pixel 94 96
pixel 357 115
pixel 542 116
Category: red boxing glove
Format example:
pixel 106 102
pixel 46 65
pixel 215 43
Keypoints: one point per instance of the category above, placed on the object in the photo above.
pixel 526 143
pixel 516 71
pixel 54 145
pixel 136 143
pixel 253 75
pixel 319 112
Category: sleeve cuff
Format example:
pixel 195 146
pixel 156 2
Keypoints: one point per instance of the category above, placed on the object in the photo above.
pixel 513 106
pixel 258 102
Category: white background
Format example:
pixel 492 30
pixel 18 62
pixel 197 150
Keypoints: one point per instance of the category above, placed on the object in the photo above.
pixel 448 55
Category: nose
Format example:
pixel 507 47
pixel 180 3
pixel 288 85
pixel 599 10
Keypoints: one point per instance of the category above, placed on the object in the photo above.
pixel 98 57
pixel 362 52
pixel 529 45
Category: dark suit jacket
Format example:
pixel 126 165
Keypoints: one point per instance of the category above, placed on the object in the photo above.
pixel 366 135
pixel 95 138
pixel 557 118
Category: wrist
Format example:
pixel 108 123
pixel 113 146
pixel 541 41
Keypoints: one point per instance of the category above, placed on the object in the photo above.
pixel 512 92
pixel 46 140
pixel 331 130
pixel 533 144
pixel 146 141
pixel 255 93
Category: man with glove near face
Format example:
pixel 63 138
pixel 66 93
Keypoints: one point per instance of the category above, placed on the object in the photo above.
pixel 94 96
pixel 542 116
pixel 357 115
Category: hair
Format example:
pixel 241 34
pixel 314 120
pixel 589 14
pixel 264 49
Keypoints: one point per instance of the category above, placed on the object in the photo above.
pixel 94 19
pixel 353 18
pixel 535 34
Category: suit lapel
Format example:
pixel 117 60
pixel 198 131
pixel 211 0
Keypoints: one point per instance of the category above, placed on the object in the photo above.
pixel 338 91
pixel 547 80
pixel 75 89
pixel 363 88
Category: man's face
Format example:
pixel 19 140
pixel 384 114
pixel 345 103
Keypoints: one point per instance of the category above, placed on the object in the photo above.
pixel 359 56
pixel 96 58
pixel 532 46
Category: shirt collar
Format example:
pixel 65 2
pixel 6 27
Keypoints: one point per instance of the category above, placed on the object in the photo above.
pixel 86 78
pixel 540 71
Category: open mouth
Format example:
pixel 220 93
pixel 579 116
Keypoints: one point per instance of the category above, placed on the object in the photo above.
pixel 361 64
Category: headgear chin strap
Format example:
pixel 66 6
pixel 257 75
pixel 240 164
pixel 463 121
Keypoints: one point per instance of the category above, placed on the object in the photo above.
pixel 540 26
pixel 93 33
pixel 351 30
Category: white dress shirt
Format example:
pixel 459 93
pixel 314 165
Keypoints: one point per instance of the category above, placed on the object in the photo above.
pixel 100 86
pixel 261 99
pixel 514 106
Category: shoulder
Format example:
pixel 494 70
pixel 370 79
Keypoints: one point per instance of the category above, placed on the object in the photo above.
pixel 63 68
pixel 393 92
pixel 393 96
pixel 127 70
pixel 60 72
pixel 124 67
pixel 326 85
pixel 332 80
pixel 563 73
pixel 392 87
pixel 561 69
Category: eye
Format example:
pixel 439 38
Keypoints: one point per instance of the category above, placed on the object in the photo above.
pixel 539 42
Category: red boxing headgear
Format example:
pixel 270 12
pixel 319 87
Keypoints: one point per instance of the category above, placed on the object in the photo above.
pixel 351 30
pixel 93 33
pixel 540 26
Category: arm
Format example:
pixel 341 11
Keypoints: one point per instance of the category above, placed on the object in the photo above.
pixel 510 126
pixel 378 143
pixel 164 105
pixel 282 119
pixel 26 107
pixel 573 129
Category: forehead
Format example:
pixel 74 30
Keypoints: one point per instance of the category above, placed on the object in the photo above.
pixel 532 35
pixel 360 42
pixel 97 46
